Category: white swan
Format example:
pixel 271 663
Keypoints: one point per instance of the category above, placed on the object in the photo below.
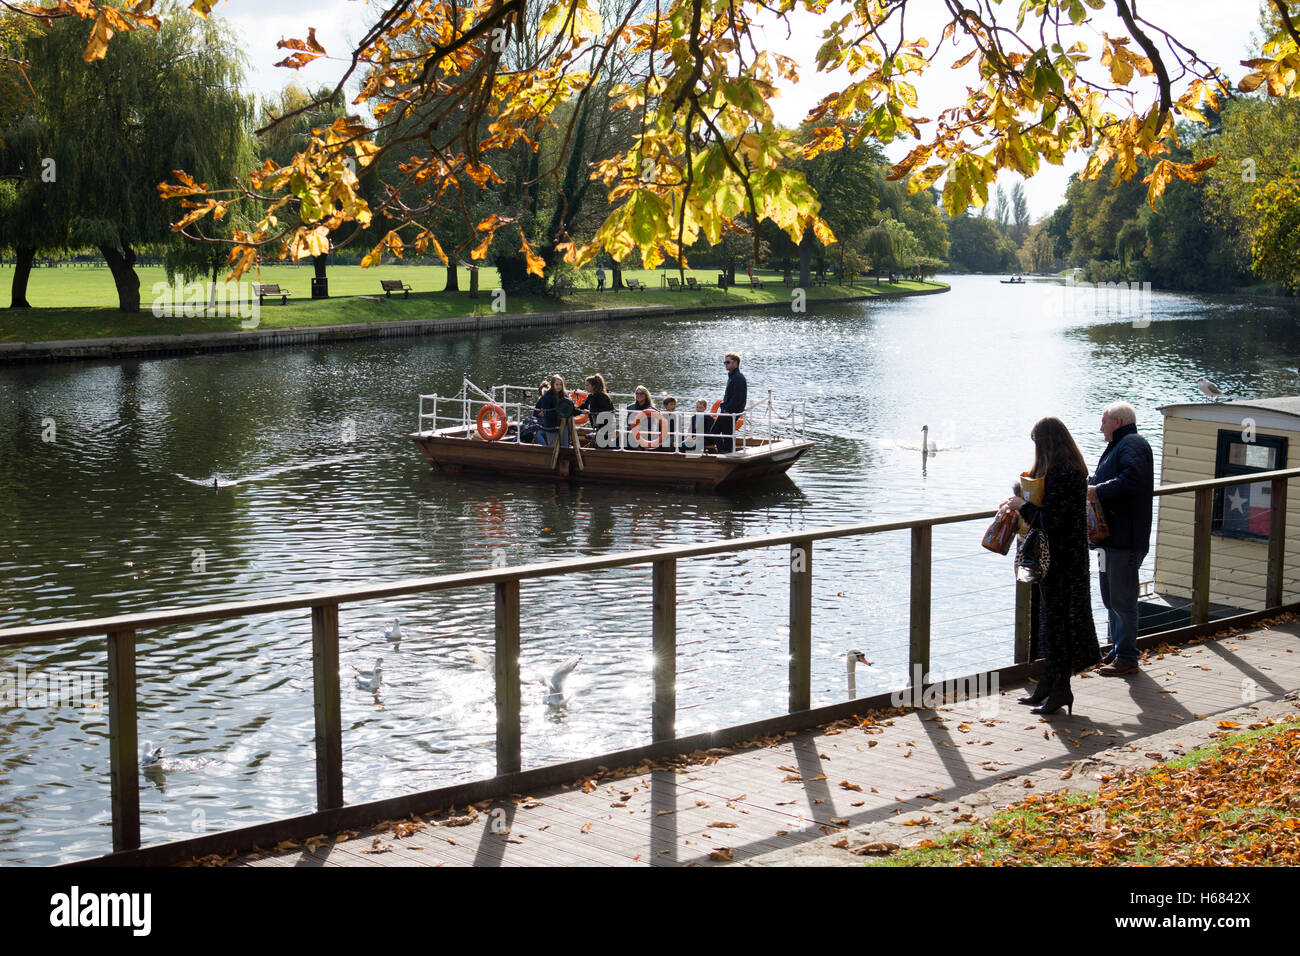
pixel 927 446
pixel 394 632
pixel 152 754
pixel 853 658
pixel 555 683
pixel 371 679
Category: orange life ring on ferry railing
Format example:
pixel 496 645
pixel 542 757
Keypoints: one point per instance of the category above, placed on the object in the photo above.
pixel 740 419
pixel 578 396
pixel 649 442
pixel 491 422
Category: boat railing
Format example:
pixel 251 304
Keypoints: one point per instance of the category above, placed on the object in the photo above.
pixel 763 422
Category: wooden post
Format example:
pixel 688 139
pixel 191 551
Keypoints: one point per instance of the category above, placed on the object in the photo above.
pixel 509 758
pixel 800 626
pixel 1203 512
pixel 919 655
pixel 663 715
pixel 1024 620
pixel 1276 542
pixel 326 706
pixel 123 758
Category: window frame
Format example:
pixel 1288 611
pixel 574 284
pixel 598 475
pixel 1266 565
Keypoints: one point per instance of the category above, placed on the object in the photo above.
pixel 1224 469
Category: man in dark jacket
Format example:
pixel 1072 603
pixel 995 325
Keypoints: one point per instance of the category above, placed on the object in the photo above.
pixel 734 400
pixel 1124 485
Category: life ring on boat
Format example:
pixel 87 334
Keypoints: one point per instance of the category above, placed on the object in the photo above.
pixel 491 422
pixel 578 396
pixel 650 441
pixel 740 419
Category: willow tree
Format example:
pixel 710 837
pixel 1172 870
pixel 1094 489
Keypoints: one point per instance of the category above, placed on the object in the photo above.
pixel 160 100
pixel 1040 84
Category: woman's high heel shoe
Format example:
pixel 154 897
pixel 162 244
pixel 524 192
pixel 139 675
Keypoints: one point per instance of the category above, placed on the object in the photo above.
pixel 1040 694
pixel 1055 701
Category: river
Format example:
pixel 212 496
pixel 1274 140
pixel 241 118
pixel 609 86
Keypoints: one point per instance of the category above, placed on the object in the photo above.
pixel 107 506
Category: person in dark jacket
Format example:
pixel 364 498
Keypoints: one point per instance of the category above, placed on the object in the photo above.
pixel 600 413
pixel 547 408
pixel 1124 486
pixel 1066 634
pixel 734 400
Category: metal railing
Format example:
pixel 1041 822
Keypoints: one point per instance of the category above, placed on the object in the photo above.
pixel 121 631
pixel 762 423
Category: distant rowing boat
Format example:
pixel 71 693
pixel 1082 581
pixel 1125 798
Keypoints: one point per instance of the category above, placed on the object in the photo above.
pixel 1014 280
pixel 465 432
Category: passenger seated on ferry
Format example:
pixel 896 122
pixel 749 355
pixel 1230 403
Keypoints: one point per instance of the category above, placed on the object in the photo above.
pixel 672 425
pixel 600 413
pixel 643 402
pixel 696 428
pixel 546 405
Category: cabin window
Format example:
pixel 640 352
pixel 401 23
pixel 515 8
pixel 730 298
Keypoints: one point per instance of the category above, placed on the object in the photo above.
pixel 1242 511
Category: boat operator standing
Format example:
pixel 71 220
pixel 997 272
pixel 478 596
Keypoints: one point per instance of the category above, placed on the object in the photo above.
pixel 734 400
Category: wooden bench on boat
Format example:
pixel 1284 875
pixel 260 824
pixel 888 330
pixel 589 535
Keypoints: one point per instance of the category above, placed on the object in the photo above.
pixel 263 289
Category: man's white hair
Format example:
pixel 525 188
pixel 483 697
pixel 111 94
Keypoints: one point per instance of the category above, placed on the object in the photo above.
pixel 1122 412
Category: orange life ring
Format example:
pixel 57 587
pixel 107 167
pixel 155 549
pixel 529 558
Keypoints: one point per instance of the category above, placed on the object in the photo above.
pixel 491 422
pixel 740 419
pixel 579 396
pixel 650 441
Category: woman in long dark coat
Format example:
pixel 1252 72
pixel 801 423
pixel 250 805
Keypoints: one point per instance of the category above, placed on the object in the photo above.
pixel 1066 633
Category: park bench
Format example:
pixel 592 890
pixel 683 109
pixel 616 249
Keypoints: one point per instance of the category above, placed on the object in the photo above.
pixel 690 281
pixel 674 284
pixel 263 289
pixel 635 285
pixel 755 282
pixel 395 285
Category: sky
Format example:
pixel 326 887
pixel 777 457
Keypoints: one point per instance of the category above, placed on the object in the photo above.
pixel 1220 32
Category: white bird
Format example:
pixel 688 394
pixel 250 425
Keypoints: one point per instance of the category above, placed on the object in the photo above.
pixel 853 659
pixel 1209 388
pixel 371 679
pixel 928 446
pixel 152 754
pixel 555 683
pixel 394 632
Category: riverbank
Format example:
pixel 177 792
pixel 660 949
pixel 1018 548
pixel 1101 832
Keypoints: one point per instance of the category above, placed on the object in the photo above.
pixel 61 335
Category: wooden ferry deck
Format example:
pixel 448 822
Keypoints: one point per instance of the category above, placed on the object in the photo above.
pixel 791 799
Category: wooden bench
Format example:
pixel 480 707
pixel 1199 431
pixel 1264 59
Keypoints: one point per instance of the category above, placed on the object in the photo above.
pixel 690 281
pixel 755 282
pixel 263 289
pixel 674 284
pixel 395 285
pixel 635 285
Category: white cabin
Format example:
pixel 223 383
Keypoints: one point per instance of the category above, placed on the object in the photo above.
pixel 1206 440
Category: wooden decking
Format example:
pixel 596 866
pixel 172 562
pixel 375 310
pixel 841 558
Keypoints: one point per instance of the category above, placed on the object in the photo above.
pixel 806 791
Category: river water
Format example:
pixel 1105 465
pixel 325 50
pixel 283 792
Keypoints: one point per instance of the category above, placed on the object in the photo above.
pixel 107 506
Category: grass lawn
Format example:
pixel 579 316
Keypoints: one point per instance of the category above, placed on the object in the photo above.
pixel 1233 802
pixel 86 299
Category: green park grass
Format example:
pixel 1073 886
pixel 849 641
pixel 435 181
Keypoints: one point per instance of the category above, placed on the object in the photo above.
pixel 81 303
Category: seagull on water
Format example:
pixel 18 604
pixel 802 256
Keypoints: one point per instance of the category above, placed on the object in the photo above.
pixel 555 683
pixel 370 680
pixel 394 632
pixel 152 754
pixel 1208 388
pixel 484 659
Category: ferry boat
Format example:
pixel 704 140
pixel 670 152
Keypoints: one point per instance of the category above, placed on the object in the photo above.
pixel 480 431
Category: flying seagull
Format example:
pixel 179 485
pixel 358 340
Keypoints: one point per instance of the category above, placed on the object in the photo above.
pixel 555 683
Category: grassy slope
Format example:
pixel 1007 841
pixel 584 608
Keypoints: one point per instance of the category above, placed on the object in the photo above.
pixel 88 300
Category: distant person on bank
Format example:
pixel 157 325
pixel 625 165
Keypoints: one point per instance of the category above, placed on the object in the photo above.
pixel 1124 486
pixel 734 400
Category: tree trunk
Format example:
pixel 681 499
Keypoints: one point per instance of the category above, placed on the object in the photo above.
pixel 124 277
pixel 616 280
pixel 805 259
pixel 453 277
pixel 22 270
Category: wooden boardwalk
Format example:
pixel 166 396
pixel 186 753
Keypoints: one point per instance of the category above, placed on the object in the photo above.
pixel 818 787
